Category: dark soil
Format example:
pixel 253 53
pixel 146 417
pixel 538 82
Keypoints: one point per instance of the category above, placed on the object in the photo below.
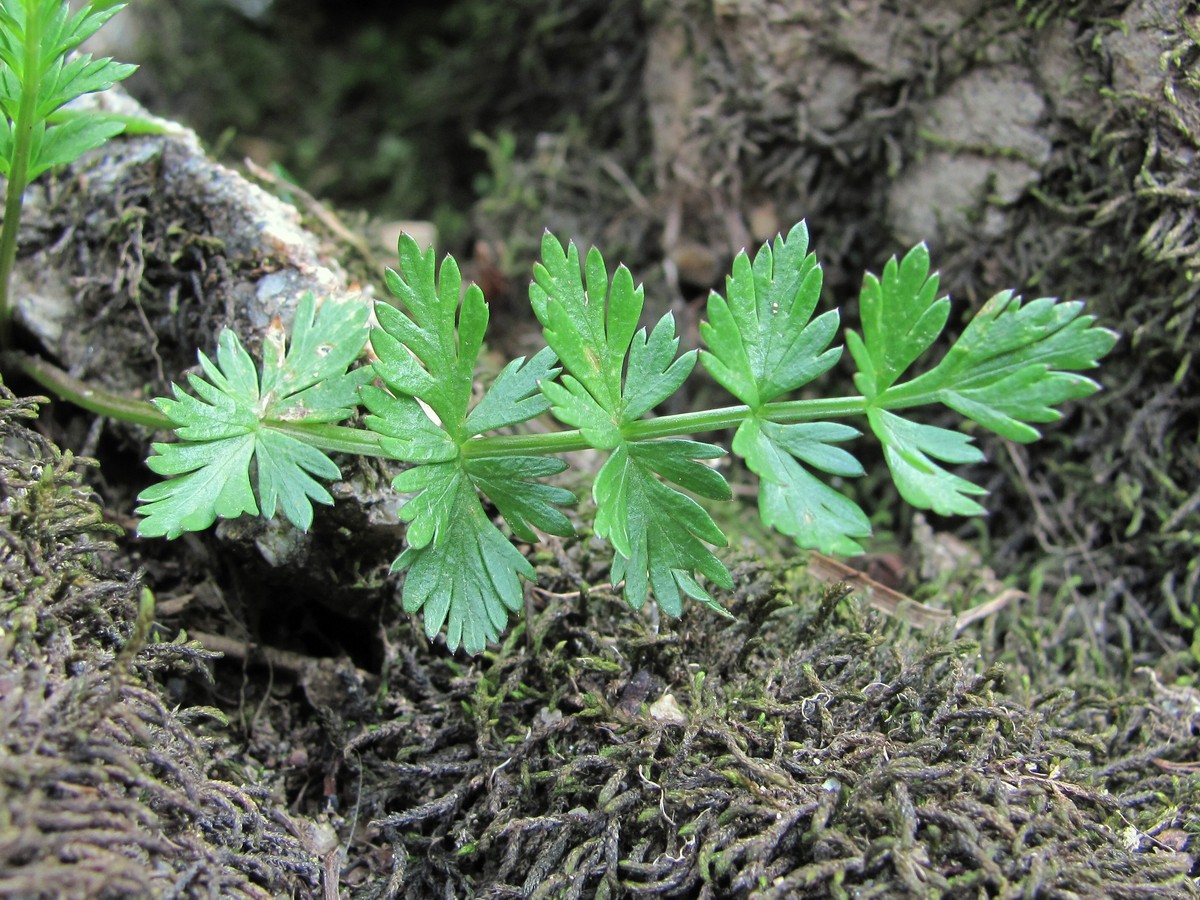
pixel 266 730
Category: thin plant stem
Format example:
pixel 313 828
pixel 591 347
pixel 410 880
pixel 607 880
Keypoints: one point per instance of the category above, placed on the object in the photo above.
pixel 18 173
pixel 786 412
pixel 85 396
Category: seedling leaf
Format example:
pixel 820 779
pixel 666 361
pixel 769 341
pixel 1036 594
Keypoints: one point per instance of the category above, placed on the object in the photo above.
pixel 52 81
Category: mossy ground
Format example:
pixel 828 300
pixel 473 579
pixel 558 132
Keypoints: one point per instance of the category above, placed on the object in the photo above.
pixel 107 789
pixel 807 748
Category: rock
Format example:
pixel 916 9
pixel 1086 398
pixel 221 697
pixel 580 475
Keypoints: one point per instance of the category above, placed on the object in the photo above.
pixel 133 259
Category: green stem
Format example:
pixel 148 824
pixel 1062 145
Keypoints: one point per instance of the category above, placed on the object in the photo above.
pixel 93 399
pixel 785 412
pixel 18 169
pixel 525 444
pixel 359 442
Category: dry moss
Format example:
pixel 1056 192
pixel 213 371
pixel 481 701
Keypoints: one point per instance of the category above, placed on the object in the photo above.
pixel 105 790
pixel 797 751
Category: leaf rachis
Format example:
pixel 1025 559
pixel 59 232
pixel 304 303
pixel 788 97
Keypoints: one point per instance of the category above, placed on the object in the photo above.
pixel 603 374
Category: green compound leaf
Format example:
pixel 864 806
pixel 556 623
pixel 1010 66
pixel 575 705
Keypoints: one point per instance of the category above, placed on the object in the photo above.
pixel 761 339
pixel 1013 364
pixel 461 570
pixel 790 498
pixel 241 418
pixel 244 432
pixel 901 317
pixel 36 37
pixel 659 533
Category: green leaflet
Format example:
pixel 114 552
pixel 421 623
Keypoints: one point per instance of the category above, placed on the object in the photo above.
pixel 242 417
pixel 762 340
pixel 590 329
pixel 511 482
pixel 429 351
pixel 659 533
pixel 461 569
pixel 614 375
pixel 654 374
pixel 901 317
pixel 208 480
pixel 406 431
pixel 466 576
pixel 910 449
pixel 790 498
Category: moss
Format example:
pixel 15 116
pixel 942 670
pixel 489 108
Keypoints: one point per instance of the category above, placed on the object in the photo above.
pixel 859 760
pixel 104 790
